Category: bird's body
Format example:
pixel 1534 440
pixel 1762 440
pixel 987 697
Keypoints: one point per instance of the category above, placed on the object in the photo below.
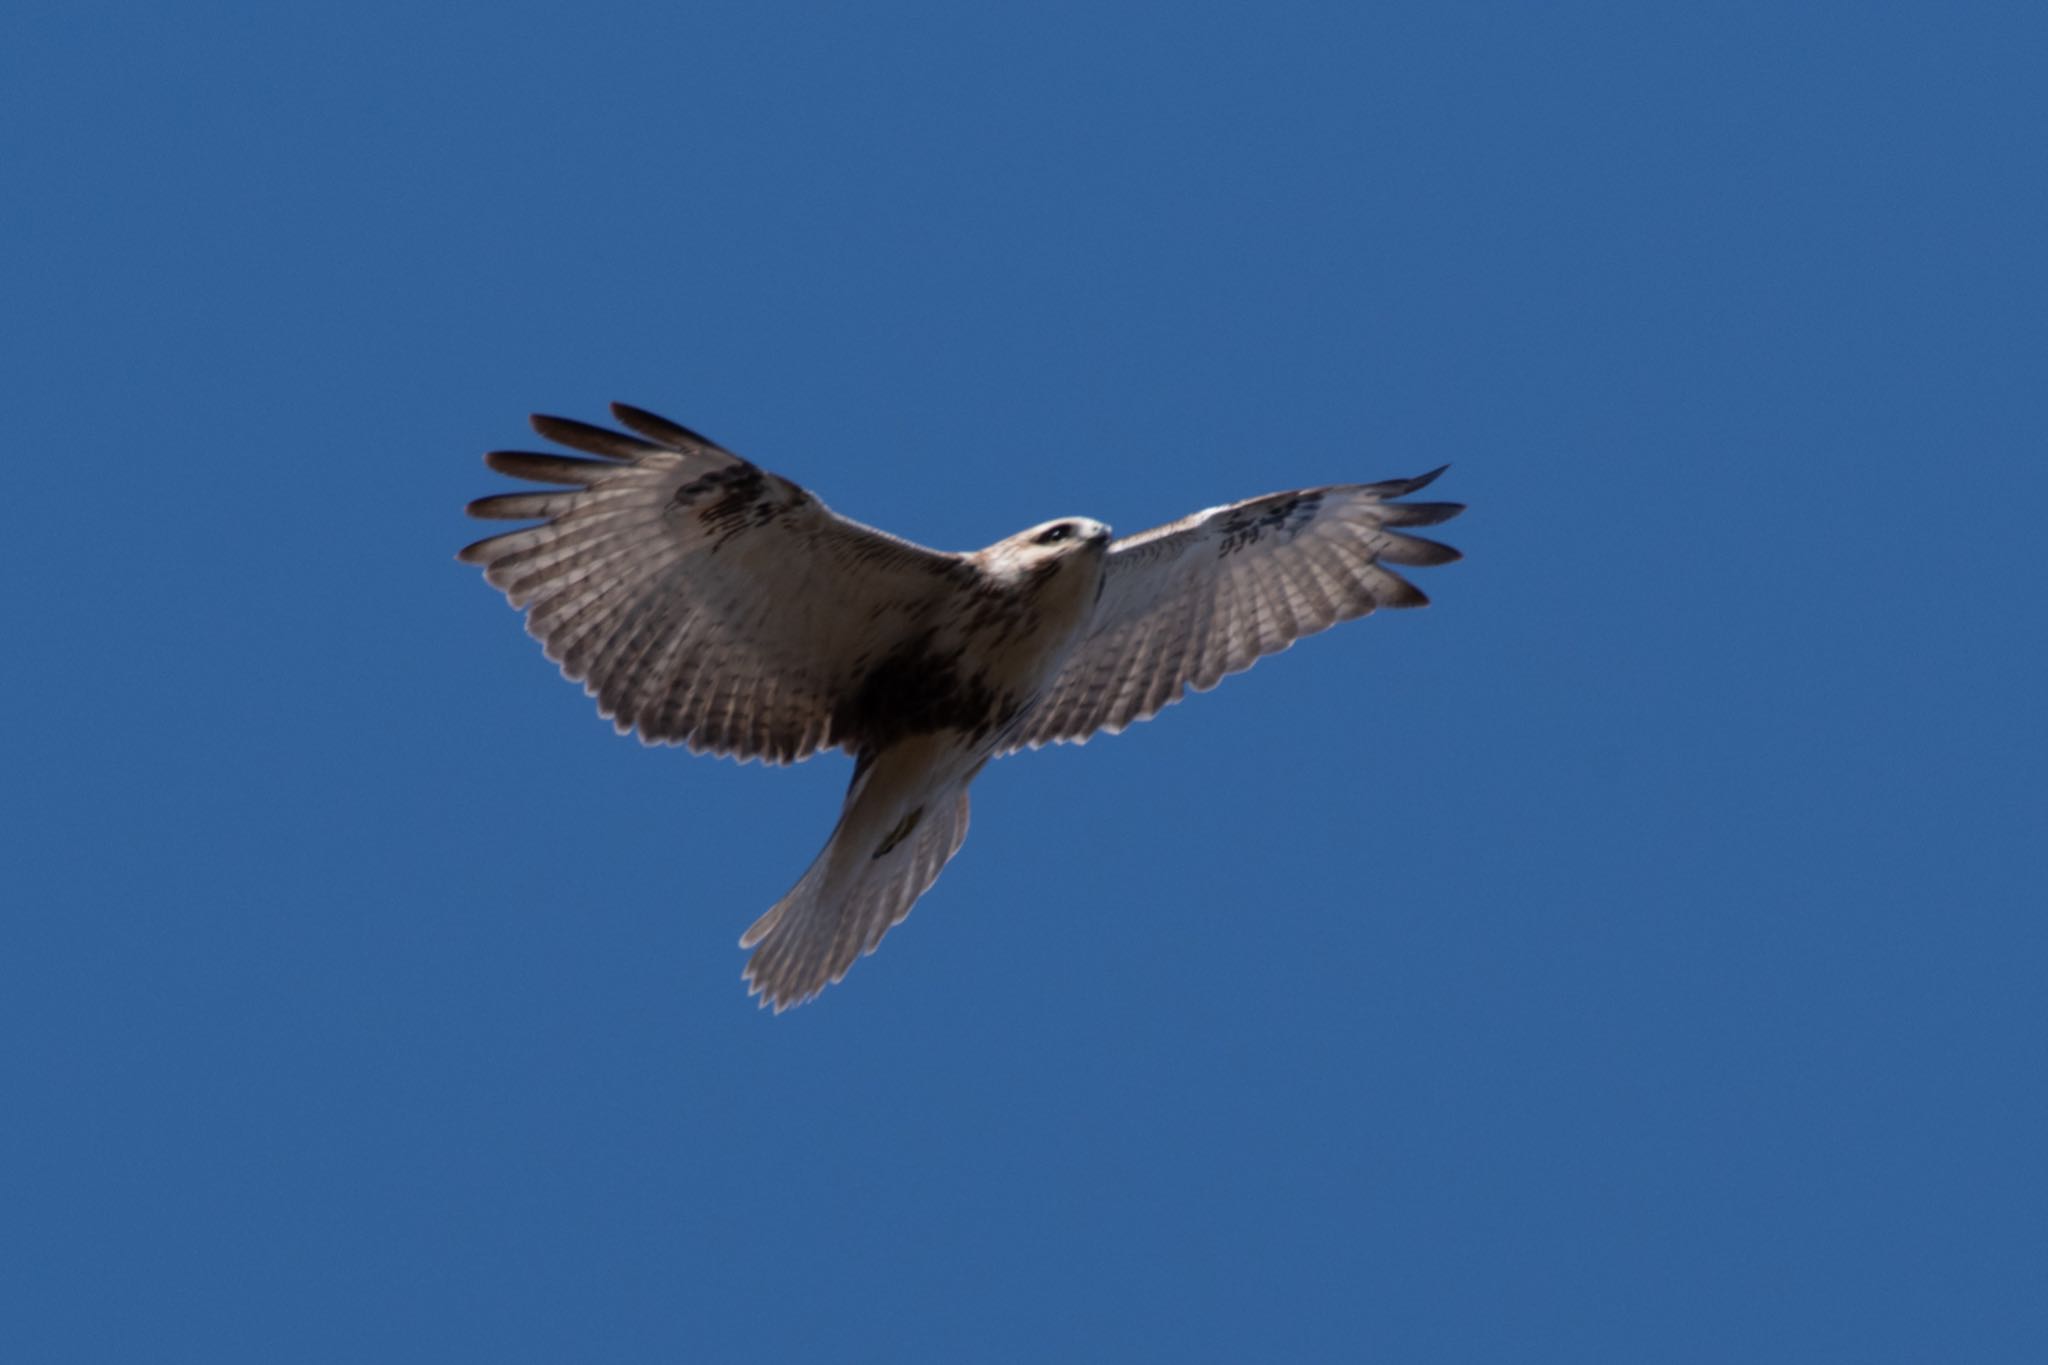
pixel 705 601
pixel 937 705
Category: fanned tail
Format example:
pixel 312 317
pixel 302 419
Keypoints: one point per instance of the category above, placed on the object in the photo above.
pixel 884 854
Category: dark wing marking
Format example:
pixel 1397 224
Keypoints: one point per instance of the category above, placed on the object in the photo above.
pixel 1187 604
pixel 699 598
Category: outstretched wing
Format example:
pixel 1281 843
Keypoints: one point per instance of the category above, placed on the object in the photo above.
pixel 1185 605
pixel 699 598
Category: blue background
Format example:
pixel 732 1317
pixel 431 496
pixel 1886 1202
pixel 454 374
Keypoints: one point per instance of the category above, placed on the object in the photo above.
pixel 1637 956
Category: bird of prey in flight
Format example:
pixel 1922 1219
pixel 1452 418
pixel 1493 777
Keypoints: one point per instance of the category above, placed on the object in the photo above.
pixel 707 602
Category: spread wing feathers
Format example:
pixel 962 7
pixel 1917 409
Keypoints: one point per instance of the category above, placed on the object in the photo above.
pixel 700 599
pixel 859 888
pixel 1185 605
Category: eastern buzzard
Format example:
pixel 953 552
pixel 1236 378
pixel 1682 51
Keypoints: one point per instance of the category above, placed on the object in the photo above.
pixel 705 601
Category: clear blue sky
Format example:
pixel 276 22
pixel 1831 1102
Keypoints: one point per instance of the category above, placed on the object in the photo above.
pixel 1639 955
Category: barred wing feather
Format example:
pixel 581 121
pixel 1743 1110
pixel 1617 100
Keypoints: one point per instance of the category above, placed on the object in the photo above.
pixel 1185 605
pixel 702 600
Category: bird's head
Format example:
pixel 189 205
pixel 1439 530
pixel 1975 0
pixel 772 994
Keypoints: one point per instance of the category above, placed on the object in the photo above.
pixel 1048 548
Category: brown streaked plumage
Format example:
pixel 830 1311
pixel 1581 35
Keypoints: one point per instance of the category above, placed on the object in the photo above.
pixel 707 602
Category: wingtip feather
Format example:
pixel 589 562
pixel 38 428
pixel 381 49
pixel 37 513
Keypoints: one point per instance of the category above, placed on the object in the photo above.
pixel 592 440
pixel 476 552
pixel 1401 488
pixel 1418 552
pixel 660 429
pixel 540 468
pixel 1401 595
pixel 1418 513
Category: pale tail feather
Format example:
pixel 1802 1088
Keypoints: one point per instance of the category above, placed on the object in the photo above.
pixel 848 899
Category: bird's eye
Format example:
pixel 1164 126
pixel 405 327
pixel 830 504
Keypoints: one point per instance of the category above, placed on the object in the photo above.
pixel 1053 535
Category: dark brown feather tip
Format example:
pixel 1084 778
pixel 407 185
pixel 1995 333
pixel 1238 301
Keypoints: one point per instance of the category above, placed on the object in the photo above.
pixel 1401 488
pixel 520 506
pixel 479 552
pixel 1418 551
pixel 615 445
pixel 1418 513
pixel 525 464
pixel 655 428
pixel 1404 595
